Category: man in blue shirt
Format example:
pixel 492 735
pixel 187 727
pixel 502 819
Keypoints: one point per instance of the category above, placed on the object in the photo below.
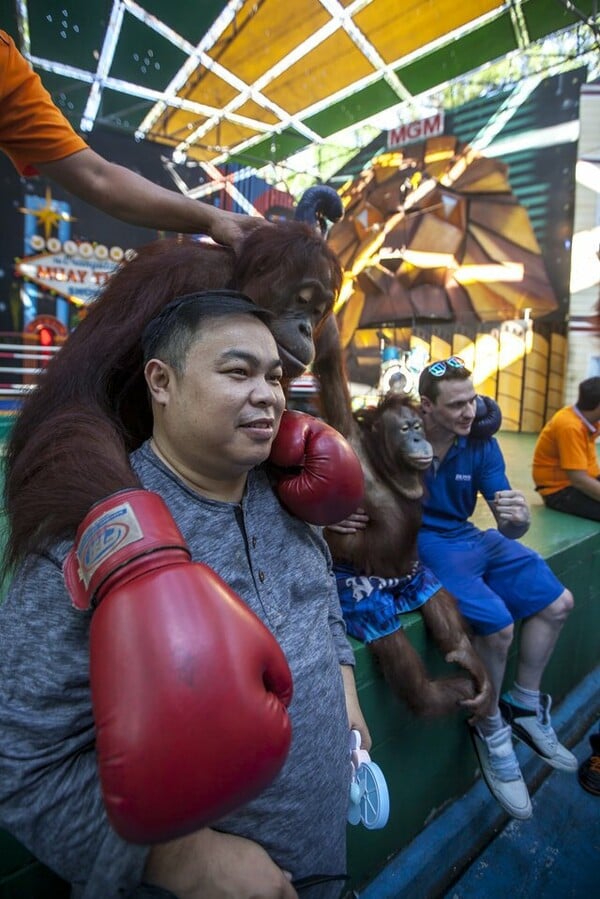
pixel 495 580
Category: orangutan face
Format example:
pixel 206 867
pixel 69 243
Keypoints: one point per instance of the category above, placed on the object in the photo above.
pixel 299 306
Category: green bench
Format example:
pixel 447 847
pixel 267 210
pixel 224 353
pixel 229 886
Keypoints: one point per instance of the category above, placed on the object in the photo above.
pixel 427 764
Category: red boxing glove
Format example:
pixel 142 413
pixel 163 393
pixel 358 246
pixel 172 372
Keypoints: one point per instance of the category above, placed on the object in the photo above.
pixel 189 688
pixel 322 480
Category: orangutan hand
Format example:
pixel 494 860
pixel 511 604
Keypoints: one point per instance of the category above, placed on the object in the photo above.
pixel 481 703
pixel 358 521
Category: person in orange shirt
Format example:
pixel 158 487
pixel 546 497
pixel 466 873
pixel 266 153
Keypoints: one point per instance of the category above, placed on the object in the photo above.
pixel 565 464
pixel 36 136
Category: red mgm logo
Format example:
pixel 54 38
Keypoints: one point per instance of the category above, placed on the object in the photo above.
pixel 424 128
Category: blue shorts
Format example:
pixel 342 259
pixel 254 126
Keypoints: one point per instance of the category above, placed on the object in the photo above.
pixel 372 605
pixel 496 581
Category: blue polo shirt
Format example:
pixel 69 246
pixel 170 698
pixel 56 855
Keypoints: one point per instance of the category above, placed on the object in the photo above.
pixel 470 467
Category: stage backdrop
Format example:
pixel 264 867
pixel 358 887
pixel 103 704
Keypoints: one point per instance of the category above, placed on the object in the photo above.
pixel 432 208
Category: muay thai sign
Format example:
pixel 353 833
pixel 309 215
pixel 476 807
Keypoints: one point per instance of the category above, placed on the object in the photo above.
pixel 432 126
pixel 76 271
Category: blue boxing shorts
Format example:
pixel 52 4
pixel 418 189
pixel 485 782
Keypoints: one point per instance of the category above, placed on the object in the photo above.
pixel 372 605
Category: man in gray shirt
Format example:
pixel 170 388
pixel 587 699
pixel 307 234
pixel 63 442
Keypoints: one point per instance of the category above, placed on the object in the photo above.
pixel 213 376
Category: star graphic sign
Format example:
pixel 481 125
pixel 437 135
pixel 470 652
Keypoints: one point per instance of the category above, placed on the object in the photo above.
pixel 48 216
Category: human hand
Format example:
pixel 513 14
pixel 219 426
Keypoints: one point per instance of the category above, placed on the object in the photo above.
pixel 231 228
pixel 358 521
pixel 356 719
pixel 480 704
pixel 510 506
pixel 209 864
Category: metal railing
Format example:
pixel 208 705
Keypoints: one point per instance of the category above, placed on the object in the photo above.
pixel 22 362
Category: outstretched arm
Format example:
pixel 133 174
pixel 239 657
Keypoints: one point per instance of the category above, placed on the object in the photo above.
pixel 130 197
pixel 37 137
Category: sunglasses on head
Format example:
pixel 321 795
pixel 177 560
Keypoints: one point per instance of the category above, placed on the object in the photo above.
pixel 437 369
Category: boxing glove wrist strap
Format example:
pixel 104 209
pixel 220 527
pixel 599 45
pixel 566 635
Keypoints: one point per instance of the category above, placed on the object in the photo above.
pixel 118 533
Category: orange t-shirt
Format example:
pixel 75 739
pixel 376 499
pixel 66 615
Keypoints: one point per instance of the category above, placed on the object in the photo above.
pixel 565 443
pixel 32 129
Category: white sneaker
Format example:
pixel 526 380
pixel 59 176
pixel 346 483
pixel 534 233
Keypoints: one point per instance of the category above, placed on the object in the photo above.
pixel 534 729
pixel 501 772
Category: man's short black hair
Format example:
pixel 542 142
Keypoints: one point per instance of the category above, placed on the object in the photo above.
pixel 171 333
pixel 589 394
pixel 429 384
